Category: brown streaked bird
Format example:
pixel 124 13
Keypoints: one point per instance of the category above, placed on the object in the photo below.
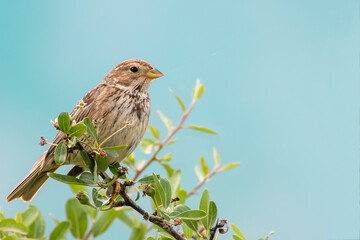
pixel 122 97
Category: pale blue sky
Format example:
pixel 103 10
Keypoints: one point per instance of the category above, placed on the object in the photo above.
pixel 282 90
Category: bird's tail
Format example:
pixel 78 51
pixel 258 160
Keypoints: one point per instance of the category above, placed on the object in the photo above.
pixel 31 184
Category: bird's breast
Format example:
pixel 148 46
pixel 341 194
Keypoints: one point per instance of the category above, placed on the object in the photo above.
pixel 130 115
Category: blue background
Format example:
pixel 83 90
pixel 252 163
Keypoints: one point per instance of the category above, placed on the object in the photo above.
pixel 282 91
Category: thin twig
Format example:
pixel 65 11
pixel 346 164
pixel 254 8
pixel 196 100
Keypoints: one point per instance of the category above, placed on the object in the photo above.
pixel 155 220
pixel 87 235
pixel 199 185
pixel 165 141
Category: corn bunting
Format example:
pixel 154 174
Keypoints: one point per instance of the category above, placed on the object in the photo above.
pixel 121 98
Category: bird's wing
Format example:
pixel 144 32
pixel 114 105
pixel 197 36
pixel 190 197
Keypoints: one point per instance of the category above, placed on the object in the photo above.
pixel 89 99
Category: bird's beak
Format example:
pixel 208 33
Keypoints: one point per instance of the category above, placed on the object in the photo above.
pixel 153 73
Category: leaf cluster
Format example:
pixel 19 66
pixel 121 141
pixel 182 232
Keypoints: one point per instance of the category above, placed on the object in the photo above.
pixel 101 199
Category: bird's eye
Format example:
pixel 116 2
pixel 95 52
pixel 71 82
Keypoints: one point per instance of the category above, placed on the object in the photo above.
pixel 134 69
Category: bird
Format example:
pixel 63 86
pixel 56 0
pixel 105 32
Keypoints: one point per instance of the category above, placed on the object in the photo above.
pixel 121 98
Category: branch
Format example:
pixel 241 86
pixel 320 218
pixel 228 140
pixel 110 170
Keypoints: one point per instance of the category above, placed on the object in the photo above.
pixel 87 235
pixel 165 141
pixel 221 225
pixel 155 220
pixel 199 185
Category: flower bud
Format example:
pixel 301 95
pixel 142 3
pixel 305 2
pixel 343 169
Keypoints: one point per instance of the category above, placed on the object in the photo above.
pixel 150 191
pixel 83 198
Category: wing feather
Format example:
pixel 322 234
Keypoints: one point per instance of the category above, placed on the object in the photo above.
pixel 89 99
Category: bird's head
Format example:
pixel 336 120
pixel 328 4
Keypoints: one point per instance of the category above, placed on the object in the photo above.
pixel 133 74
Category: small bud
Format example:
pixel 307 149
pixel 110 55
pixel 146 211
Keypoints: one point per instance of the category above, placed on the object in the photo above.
pixel 150 191
pixel 123 171
pixel 202 231
pixel 102 153
pixel 43 141
pixel 177 221
pixel 269 235
pixel 146 216
pixel 223 227
pixel 83 198
pixel 155 213
pixel 168 210
pixel 55 124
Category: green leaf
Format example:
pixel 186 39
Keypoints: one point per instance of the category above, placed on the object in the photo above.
pixel 204 166
pixel 147 179
pixel 212 214
pixel 198 90
pixel 160 190
pixel 155 132
pixel 204 205
pixel 216 158
pixel 11 225
pixel 90 129
pixel 111 153
pixel 237 232
pixel 229 166
pixel 87 160
pixel 129 161
pixel 178 210
pixel 115 147
pixel 182 195
pixel 166 158
pixel 199 173
pixel 98 198
pixel 192 215
pixel 147 145
pixel 122 216
pixel 18 217
pixel 167 190
pixel 60 153
pixel 171 142
pixel 78 188
pixel 29 215
pixel 178 99
pixel 77 217
pixel 104 221
pixel 64 122
pixel 138 231
pixel 164 214
pixel 202 129
pixel 175 182
pixel 236 237
pixel 77 130
pixel 88 178
pixel 168 123
pixel 37 227
pixel 60 231
pixel 114 168
pixel 90 211
pixel 169 169
pixel 102 162
pixel 72 142
pixel 192 224
pixel 188 232
pixel 11 237
pixel 66 179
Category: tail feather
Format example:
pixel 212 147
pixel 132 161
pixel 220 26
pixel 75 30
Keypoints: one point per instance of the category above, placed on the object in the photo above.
pixel 31 184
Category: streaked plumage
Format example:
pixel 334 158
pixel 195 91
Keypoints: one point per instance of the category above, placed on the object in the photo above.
pixel 122 97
